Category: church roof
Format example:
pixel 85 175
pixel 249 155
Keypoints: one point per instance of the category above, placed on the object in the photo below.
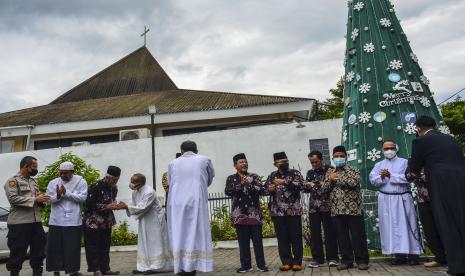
pixel 136 73
pixel 166 101
pixel 125 89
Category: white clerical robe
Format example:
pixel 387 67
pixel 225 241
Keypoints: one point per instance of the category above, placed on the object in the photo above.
pixel 153 252
pixel 188 220
pixel 396 210
pixel 66 211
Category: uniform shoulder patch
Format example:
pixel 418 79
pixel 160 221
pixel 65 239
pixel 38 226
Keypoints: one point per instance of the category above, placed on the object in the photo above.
pixel 11 183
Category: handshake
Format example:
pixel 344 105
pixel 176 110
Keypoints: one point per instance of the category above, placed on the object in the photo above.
pixel 117 205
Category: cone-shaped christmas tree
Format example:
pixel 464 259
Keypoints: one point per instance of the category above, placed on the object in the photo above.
pixel 385 91
pixel 385 88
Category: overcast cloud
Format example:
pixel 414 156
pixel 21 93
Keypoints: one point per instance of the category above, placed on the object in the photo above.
pixel 291 48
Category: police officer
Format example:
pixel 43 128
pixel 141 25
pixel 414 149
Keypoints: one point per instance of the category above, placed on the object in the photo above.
pixel 24 222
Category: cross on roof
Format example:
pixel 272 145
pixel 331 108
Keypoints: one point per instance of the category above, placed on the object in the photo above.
pixel 144 34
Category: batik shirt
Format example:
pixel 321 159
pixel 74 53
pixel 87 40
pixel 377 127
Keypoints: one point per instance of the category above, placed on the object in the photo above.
pixel 345 194
pixel 421 195
pixel 245 199
pixel 97 215
pixel 285 201
pixel 319 200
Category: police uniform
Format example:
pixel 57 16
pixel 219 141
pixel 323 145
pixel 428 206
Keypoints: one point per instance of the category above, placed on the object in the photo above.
pixel 24 224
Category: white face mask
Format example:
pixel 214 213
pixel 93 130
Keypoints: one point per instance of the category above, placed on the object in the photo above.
pixel 132 186
pixel 389 154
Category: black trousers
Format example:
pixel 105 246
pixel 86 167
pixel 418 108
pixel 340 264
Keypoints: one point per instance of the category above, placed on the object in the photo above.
pixel 289 234
pixel 97 243
pixel 431 233
pixel 64 248
pixel 244 234
pixel 22 236
pixel 316 220
pixel 352 239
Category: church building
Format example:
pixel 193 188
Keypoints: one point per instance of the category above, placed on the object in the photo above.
pixel 113 105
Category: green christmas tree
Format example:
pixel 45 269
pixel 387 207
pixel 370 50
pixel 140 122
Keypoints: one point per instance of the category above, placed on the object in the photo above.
pixel 385 88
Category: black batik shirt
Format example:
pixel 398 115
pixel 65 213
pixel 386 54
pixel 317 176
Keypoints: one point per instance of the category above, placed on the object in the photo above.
pixel 285 201
pixel 319 200
pixel 97 215
pixel 245 199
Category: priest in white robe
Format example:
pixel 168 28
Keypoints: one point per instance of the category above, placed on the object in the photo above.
pixel 396 211
pixel 153 252
pixel 188 219
pixel 67 194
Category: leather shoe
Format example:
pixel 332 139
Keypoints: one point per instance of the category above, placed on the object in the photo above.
pixel 109 272
pixel 344 266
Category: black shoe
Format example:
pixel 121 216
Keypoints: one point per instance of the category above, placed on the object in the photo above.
pixel 109 272
pixel 398 262
pixel 244 270
pixel 135 271
pixel 345 266
pixel 413 262
pixel 262 269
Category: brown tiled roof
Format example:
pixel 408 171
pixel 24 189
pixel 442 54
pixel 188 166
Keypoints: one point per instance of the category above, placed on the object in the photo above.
pixel 167 101
pixel 138 72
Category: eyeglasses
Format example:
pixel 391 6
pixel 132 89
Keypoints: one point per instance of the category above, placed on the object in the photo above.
pixel 393 148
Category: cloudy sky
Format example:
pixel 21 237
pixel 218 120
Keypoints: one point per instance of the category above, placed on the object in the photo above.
pixel 292 48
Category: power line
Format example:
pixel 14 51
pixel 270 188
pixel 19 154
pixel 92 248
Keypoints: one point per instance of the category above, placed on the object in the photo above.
pixel 455 94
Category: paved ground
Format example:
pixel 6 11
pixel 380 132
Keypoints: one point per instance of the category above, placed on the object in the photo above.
pixel 226 262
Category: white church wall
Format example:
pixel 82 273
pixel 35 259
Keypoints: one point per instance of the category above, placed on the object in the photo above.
pixel 258 143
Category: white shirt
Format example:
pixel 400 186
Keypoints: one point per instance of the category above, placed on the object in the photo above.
pixel 66 211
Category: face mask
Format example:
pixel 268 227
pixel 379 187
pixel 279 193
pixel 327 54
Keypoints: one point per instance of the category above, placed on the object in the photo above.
pixel 389 154
pixel 339 161
pixel 64 178
pixel 33 172
pixel 132 186
pixel 284 167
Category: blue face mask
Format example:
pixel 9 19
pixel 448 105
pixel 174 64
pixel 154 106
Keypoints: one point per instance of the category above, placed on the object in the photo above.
pixel 339 161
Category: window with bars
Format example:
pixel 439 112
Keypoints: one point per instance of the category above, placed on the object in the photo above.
pixel 322 146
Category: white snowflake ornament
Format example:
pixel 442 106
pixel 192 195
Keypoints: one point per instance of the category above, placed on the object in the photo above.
pixel 385 22
pixel 369 47
pixel 424 80
pixel 359 6
pixel 374 154
pixel 395 64
pixel 414 57
pixel 354 34
pixel 350 76
pixel 444 129
pixel 364 88
pixel 364 117
pixel 410 128
pixel 425 101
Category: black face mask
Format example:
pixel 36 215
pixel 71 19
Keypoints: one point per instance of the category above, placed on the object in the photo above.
pixel 284 167
pixel 64 178
pixel 33 172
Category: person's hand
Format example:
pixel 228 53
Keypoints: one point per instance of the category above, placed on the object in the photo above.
pixel 272 188
pixel 279 181
pixel 245 180
pixel 42 198
pixel 331 174
pixel 59 194
pixel 122 205
pixel 385 173
pixel 63 190
pixel 112 206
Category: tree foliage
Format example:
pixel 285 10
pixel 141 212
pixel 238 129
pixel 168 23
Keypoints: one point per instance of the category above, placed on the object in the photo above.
pixel 52 171
pixel 454 117
pixel 333 107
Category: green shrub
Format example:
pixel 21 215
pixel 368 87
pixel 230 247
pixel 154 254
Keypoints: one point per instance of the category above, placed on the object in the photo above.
pixel 52 171
pixel 121 235
pixel 223 230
